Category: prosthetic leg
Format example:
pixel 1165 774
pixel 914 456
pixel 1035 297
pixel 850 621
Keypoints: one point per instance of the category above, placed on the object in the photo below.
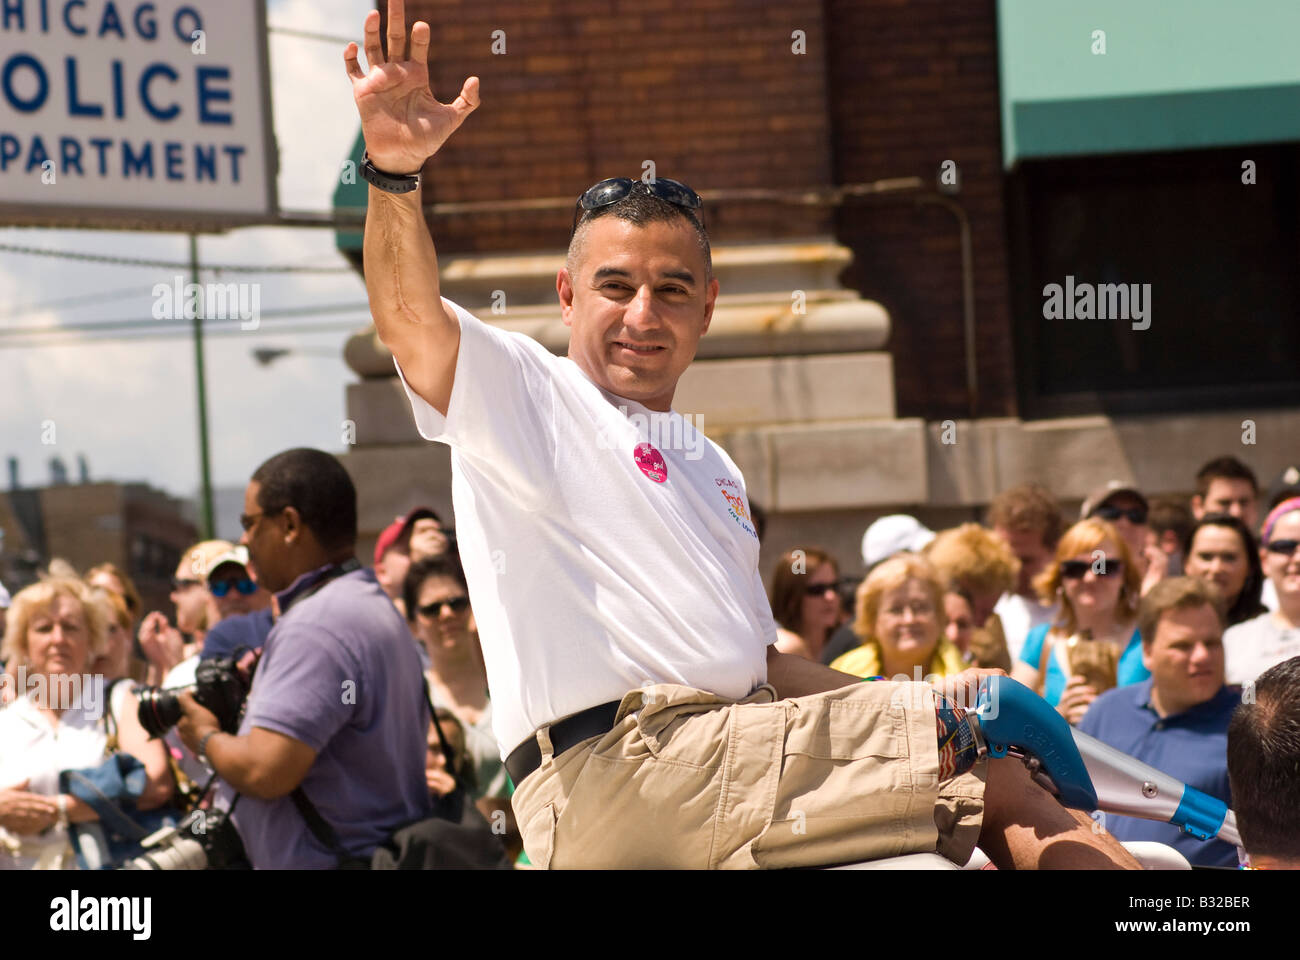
pixel 1084 773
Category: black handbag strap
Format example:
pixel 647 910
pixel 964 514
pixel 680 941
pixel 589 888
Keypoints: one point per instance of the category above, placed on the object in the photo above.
pixel 320 827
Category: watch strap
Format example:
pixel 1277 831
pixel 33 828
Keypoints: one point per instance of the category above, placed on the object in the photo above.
pixel 388 182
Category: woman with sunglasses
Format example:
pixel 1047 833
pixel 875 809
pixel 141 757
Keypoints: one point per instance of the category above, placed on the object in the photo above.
pixel 1252 647
pixel 1220 550
pixel 1098 586
pixel 438 610
pixel 805 601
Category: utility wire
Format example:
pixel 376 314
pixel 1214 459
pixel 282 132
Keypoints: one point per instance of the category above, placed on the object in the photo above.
pixel 139 323
pixel 183 265
pixel 340 326
pixel 309 35
pixel 107 296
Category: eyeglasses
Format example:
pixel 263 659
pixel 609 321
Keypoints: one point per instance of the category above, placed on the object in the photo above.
pixel 1136 515
pixel 457 604
pixel 617 188
pixel 244 585
pixel 185 584
pixel 1284 547
pixel 1075 569
pixel 820 589
pixel 246 520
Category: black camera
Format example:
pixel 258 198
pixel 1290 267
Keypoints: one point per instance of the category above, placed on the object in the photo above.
pixel 204 840
pixel 218 685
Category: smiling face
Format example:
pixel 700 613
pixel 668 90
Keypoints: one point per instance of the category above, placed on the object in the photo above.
pixel 1217 556
pixel 907 625
pixel 637 306
pixel 437 624
pixel 1093 594
pixel 1185 658
pixel 1284 570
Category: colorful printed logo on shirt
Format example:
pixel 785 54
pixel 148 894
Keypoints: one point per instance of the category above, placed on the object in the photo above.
pixel 736 504
pixel 651 462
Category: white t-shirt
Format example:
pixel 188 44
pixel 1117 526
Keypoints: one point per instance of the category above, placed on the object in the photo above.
pixel 1019 616
pixel 1268 595
pixel 30 749
pixel 1252 647
pixel 605 549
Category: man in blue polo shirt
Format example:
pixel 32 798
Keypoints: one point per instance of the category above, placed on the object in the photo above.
pixel 1177 721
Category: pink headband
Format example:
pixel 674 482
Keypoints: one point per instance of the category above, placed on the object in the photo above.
pixel 1286 506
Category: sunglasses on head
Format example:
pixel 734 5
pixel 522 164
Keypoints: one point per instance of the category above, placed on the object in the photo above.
pixel 1075 569
pixel 1284 547
pixel 1136 515
pixel 244 585
pixel 617 188
pixel 457 604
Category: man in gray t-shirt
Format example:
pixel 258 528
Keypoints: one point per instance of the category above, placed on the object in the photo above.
pixel 337 705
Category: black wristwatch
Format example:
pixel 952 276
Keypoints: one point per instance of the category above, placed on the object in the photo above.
pixel 388 182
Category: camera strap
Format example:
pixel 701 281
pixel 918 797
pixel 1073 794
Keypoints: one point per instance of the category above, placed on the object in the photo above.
pixel 320 827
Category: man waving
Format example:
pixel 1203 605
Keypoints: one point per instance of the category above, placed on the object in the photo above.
pixel 647 718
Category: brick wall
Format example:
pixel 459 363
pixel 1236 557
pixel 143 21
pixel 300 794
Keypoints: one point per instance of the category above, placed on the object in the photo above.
pixel 587 89
pixel 914 83
pixel 712 92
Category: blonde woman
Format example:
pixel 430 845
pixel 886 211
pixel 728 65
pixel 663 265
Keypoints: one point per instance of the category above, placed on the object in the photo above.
pixel 900 619
pixel 56 630
pixel 1098 585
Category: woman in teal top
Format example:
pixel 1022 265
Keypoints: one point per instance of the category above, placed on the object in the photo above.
pixel 1130 668
pixel 1098 586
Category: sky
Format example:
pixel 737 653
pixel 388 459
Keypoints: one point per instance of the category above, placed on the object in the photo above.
pixel 130 408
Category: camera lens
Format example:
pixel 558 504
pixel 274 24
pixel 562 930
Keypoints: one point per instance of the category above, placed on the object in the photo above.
pixel 160 710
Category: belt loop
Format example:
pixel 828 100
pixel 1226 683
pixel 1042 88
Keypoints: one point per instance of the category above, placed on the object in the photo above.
pixel 544 743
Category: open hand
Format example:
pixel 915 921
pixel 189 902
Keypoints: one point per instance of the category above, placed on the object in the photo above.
pixel 27 813
pixel 402 122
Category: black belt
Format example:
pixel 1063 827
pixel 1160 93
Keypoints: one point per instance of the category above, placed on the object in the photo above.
pixel 568 733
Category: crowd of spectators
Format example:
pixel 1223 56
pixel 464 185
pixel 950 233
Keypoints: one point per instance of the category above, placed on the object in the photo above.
pixel 1145 625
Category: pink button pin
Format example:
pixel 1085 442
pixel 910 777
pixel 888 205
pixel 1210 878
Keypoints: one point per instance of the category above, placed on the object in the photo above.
pixel 651 462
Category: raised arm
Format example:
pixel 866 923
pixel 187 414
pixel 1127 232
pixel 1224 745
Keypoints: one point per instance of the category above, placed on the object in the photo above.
pixel 403 126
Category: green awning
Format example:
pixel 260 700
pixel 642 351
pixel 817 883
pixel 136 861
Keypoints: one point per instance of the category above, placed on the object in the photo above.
pixel 1174 76
pixel 352 196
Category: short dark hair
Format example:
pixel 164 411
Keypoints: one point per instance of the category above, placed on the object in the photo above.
pixel 315 484
pixel 1224 468
pixel 444 565
pixel 1176 593
pixel 1264 763
pixel 1247 604
pixel 641 207
pixel 1172 515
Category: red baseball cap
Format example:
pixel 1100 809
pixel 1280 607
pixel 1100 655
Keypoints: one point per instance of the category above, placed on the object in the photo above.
pixel 396 530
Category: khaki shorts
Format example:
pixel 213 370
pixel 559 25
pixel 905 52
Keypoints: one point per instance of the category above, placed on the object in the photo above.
pixel 687 779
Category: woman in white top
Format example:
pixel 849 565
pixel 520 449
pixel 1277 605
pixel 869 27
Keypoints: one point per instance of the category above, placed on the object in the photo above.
pixel 1252 647
pixel 55 631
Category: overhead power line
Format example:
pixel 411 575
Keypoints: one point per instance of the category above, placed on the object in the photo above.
pixel 309 35
pixel 182 265
pixel 233 330
pixel 141 323
pixel 107 296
